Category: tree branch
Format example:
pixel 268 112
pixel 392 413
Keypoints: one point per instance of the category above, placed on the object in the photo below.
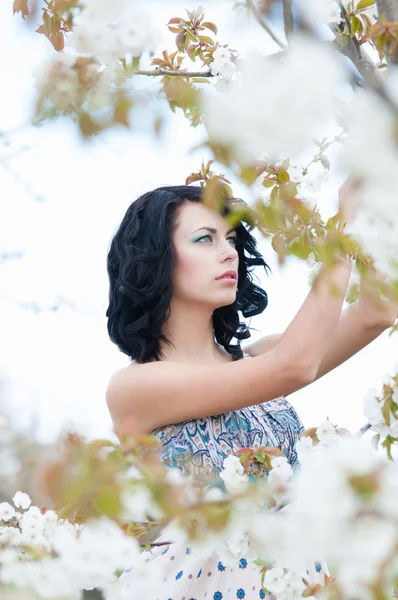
pixel 361 60
pixel 288 19
pixel 264 24
pixel 159 71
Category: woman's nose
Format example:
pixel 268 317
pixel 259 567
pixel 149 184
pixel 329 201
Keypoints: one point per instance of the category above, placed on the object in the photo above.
pixel 229 251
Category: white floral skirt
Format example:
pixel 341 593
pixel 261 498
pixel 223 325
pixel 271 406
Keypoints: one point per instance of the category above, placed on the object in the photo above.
pixel 174 572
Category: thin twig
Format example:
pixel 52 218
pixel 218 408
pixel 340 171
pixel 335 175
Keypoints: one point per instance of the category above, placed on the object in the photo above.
pixel 159 71
pixel 6 164
pixel 160 543
pixel 363 430
pixel 264 24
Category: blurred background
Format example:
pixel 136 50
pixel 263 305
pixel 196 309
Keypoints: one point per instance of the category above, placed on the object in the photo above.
pixel 62 200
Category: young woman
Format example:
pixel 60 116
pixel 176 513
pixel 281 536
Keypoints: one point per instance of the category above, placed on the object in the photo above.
pixel 179 276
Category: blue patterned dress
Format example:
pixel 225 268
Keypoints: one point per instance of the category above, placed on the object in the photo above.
pixel 198 447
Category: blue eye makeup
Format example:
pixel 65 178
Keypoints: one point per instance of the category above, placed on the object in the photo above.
pixel 202 237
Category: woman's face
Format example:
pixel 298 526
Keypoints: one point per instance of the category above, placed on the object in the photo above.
pixel 205 249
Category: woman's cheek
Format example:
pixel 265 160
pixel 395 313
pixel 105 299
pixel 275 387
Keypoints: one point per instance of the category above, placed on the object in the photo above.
pixel 190 269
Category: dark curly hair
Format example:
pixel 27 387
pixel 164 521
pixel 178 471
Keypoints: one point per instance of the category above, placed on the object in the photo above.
pixel 139 263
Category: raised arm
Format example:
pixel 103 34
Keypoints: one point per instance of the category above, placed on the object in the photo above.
pixel 358 326
pixel 159 393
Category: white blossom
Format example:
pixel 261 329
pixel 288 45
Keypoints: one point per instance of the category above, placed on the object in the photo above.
pixel 137 32
pixel 310 185
pixel 304 448
pixel 370 543
pixel 273 580
pixel 326 503
pixel 32 520
pixel 326 432
pixel 109 31
pixel 313 267
pixel 140 581
pixel 223 84
pixel 22 500
pixel 295 585
pixel 281 470
pixel 387 494
pixel 372 409
pixel 92 38
pixel 138 505
pixel 8 556
pixel 57 78
pixel 233 474
pixel 7 512
pixel 387 430
pixel 258 116
pixel 235 546
pixel 46 576
pixel 376 166
pixel 222 63
pixel 100 96
pixel 105 11
pixel 132 473
pixel 395 392
pixel 322 11
pixel 94 555
pixel 11 535
pixel 214 494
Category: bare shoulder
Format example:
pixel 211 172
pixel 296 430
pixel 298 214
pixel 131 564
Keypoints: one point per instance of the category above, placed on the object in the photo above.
pixel 119 397
pixel 129 384
pixel 163 392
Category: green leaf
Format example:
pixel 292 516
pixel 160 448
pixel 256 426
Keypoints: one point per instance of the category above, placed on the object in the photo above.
pixel 211 26
pixel 121 111
pixel 200 80
pixel 259 457
pixel 248 174
pixel 387 445
pixel 274 196
pixel 344 41
pixel 136 63
pixel 193 37
pixel 206 39
pixel 283 176
pixel 386 412
pixel 268 183
pixel 108 502
pixel 365 4
pixel 260 562
pixel 298 247
pixel 355 24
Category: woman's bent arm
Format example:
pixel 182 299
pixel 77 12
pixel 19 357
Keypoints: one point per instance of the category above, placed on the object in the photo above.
pixel 158 393
pixel 318 317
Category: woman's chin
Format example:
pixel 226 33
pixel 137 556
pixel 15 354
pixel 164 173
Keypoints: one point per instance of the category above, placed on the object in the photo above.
pixel 226 301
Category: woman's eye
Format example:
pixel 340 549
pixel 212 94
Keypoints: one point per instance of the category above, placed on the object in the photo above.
pixel 233 238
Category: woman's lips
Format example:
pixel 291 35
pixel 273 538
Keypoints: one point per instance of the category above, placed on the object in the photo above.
pixel 227 279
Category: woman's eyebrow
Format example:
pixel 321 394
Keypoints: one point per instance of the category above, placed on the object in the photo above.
pixel 212 230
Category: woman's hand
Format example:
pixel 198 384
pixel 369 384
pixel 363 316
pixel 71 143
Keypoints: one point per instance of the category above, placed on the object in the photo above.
pixel 349 200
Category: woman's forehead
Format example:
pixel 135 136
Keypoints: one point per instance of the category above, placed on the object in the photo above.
pixel 193 215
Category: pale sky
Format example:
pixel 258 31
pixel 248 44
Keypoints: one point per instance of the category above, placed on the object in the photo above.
pixel 62 202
